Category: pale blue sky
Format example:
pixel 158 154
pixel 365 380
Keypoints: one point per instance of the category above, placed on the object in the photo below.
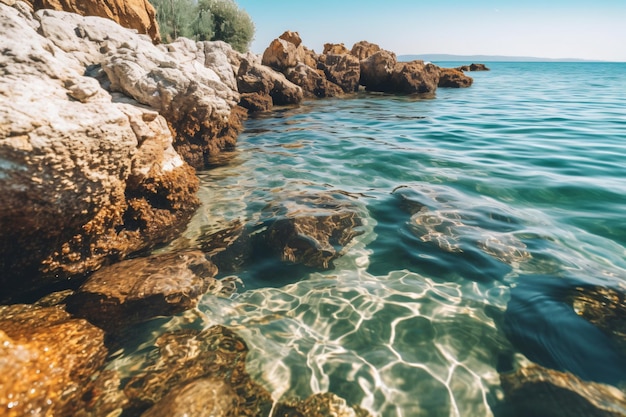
pixel 589 29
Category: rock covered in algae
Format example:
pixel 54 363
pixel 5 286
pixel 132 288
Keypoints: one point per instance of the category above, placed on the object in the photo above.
pixel 537 391
pixel 46 360
pixel 319 405
pixel 139 289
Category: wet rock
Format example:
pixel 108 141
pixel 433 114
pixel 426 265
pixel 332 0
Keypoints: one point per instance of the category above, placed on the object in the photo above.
pixel 88 176
pixel 229 248
pixel 311 229
pixel 364 49
pixel 319 405
pixel 453 78
pixel 139 289
pixel 537 391
pixel 343 70
pixel 313 82
pixel 46 360
pixel 414 77
pixel 261 87
pixel 473 67
pixel 335 49
pixel 603 307
pixel 204 397
pixel 207 357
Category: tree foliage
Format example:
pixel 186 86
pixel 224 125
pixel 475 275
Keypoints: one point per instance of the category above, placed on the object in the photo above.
pixel 205 20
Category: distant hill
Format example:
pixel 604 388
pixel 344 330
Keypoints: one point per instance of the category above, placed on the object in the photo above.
pixel 484 58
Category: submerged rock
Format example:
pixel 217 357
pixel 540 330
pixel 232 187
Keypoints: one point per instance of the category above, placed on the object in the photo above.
pixel 212 357
pixel 537 391
pixel 139 289
pixel 319 405
pixel 605 308
pixel 453 78
pixel 46 360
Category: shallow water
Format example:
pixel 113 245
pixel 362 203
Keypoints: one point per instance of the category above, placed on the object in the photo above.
pixel 520 189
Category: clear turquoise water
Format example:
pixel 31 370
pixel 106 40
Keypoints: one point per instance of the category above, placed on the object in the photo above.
pixel 524 178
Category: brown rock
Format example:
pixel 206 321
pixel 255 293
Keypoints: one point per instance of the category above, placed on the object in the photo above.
pixel 537 391
pixel 292 37
pixel 363 50
pixel 453 78
pixel 215 353
pixel 133 14
pixel 319 405
pixel 46 360
pixel 603 307
pixel 473 67
pixel 313 82
pixel 254 80
pixel 343 70
pixel 335 49
pixel 414 77
pixel 311 230
pixel 139 289
pixel 310 57
pixel 204 397
pixel 376 70
pixel 282 54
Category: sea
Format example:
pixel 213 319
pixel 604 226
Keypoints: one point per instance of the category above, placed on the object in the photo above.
pixel 520 184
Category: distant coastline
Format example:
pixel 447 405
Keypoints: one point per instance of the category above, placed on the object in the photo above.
pixel 486 58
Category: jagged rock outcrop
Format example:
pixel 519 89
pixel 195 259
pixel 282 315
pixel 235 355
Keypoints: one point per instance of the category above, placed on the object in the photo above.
pixel 313 82
pixel 261 87
pixel 88 176
pixel 414 77
pixel 343 70
pixel 282 54
pixel 453 78
pixel 364 49
pixel 537 391
pixel 133 14
pixel 376 70
pixel 335 49
pixel 139 289
pixel 47 359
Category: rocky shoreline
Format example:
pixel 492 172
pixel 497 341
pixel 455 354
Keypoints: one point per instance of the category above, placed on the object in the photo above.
pixel 100 138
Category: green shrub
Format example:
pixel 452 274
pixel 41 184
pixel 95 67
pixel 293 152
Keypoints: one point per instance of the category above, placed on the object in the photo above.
pixel 205 20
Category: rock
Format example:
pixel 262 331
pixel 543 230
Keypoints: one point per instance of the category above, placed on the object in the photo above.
pixel 88 176
pixel 133 14
pixel 282 54
pixel 605 308
pixel 319 405
pixel 473 67
pixel 313 82
pixel 204 397
pixel 414 77
pixel 256 80
pixel 537 391
pixel 363 50
pixel 46 360
pixel 291 37
pixel 310 229
pixel 453 78
pixel 376 70
pixel 139 289
pixel 197 103
pixel 343 70
pixel 335 49
pixel 310 57
pixel 208 357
